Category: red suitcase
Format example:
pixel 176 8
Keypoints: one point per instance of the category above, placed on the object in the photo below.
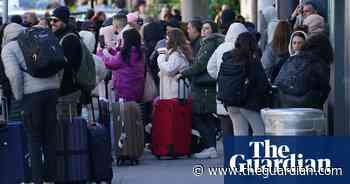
pixel 171 128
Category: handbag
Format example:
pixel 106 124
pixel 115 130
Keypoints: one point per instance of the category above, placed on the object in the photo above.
pixel 150 90
pixel 204 79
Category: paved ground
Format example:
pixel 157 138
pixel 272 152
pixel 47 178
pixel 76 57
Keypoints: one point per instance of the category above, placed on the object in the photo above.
pixel 153 171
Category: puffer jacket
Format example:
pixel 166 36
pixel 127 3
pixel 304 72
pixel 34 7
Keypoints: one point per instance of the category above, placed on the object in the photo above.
pixel 21 83
pixel 259 88
pixel 128 78
pixel 215 60
pixel 203 96
pixel 305 79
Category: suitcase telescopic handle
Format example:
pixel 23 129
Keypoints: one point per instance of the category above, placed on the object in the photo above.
pixel 4 109
pixel 185 86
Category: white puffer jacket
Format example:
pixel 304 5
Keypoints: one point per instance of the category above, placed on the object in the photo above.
pixel 215 60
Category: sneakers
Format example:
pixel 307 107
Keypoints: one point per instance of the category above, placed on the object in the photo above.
pixel 207 153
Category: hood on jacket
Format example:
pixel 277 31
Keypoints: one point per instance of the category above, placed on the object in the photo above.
pixel 89 39
pixel 315 23
pixel 269 14
pixel 11 32
pixel 234 31
pixel 290 46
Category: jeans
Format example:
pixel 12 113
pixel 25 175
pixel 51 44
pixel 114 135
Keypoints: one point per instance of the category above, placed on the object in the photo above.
pixel 205 125
pixel 40 123
pixel 243 118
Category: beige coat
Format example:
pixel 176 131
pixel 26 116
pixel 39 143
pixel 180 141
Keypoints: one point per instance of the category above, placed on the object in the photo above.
pixel 169 68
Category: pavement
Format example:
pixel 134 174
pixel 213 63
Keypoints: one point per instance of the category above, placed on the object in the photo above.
pixel 153 171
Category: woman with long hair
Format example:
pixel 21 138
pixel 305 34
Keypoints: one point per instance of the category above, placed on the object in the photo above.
pixel 245 113
pixel 127 66
pixel 173 61
pixel 303 81
pixel 277 52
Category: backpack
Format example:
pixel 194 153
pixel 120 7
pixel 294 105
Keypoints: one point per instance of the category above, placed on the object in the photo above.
pixel 86 75
pixel 233 82
pixel 42 52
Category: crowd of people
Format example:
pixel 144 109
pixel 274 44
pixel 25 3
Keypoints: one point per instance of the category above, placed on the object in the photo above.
pixel 286 65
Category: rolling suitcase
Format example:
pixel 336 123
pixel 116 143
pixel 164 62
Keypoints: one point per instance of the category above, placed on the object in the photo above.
pixel 128 131
pixel 72 155
pixel 99 151
pixel 171 129
pixel 14 155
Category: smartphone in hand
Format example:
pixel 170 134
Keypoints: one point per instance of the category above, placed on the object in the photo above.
pixel 101 40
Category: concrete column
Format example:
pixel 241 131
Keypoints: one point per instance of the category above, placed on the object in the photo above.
pixel 262 4
pixel 249 10
pixel 5 11
pixel 194 8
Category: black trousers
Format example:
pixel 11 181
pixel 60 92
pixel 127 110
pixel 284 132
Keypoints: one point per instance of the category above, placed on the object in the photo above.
pixel 206 125
pixel 40 122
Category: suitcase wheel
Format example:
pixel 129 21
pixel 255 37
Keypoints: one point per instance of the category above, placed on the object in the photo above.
pixel 158 157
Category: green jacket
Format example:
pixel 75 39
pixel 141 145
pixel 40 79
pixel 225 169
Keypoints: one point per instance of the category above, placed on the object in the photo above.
pixel 204 97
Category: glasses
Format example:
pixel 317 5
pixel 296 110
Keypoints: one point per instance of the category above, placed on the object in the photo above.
pixel 54 20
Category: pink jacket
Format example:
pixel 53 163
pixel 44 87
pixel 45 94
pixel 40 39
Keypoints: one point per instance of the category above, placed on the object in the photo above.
pixel 128 79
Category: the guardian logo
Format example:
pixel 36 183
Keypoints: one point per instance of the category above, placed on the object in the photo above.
pixel 267 155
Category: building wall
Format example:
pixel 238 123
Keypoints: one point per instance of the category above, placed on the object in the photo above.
pixel 194 8
pixel 338 106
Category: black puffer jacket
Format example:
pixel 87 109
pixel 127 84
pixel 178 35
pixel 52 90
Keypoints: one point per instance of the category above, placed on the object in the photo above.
pixel 258 96
pixel 305 79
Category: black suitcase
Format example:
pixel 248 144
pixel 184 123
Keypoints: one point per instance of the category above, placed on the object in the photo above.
pixel 100 150
pixel 72 153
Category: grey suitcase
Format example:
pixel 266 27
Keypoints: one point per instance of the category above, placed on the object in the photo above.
pixel 128 131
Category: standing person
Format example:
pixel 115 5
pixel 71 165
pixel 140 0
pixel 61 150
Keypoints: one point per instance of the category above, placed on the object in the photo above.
pixel 194 28
pixel 127 66
pixel 161 44
pixel 303 81
pixel 173 61
pixel 140 9
pixel 39 104
pixel 203 90
pixel 244 110
pixel 301 12
pixel 213 68
pixel 30 19
pixel 110 33
pixel 72 50
pixel 277 53
pixel 227 18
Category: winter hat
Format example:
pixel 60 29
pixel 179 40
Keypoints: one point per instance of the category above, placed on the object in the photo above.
pixel 315 23
pixel 132 17
pixel 61 13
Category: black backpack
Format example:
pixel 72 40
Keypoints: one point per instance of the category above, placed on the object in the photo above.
pixel 233 82
pixel 42 52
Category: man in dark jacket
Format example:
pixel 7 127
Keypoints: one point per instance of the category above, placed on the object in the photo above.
pixel 71 46
pixel 194 28
pixel 70 42
pixel 203 89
